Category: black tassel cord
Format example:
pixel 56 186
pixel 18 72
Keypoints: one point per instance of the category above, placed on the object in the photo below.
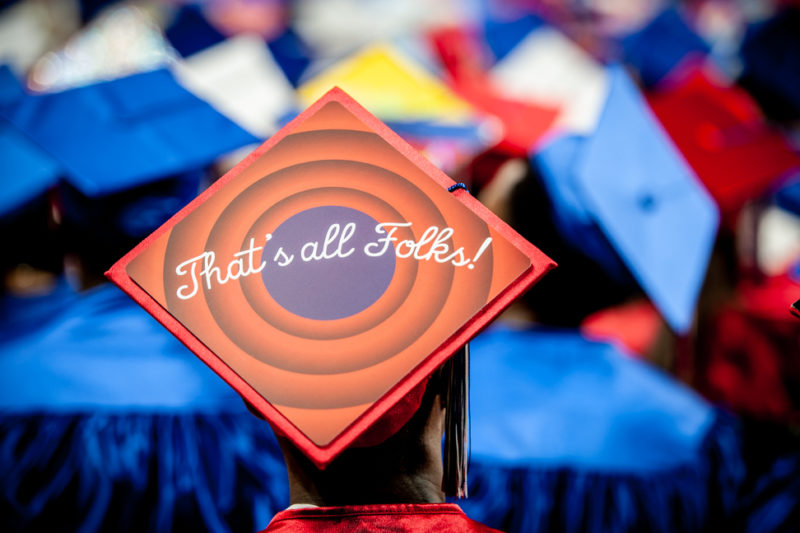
pixel 456 424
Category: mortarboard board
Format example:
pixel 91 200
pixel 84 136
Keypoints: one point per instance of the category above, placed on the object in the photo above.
pixel 627 180
pixel 27 172
pixel 503 31
pixel 667 41
pixel 548 69
pixel 190 32
pixel 10 87
pixel 331 307
pixel 291 53
pixel 29 29
pixel 391 85
pixel 240 78
pixel 121 41
pixel 523 122
pixel 411 100
pixel 120 134
pixel 723 136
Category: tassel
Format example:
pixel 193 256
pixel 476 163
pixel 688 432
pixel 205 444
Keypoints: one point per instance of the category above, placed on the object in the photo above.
pixel 456 423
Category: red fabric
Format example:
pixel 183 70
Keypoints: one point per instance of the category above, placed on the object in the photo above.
pixel 524 124
pixel 418 518
pixel 722 134
pixel 752 365
pixel 635 325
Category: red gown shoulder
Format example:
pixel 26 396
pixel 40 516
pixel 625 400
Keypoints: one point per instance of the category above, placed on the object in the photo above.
pixel 416 518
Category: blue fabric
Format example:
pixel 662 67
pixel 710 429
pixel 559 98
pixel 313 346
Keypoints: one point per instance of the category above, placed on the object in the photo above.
pixel 467 133
pixel 10 87
pixel 502 35
pixel 24 316
pixel 627 179
pixel 108 423
pixel 103 351
pixel 26 172
pixel 551 397
pixel 572 435
pixel 190 32
pixel 127 471
pixel 661 45
pixel 573 220
pixel 120 134
pixel 291 54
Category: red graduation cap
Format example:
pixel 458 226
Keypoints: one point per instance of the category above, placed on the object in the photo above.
pixel 724 138
pixel 524 123
pixel 328 274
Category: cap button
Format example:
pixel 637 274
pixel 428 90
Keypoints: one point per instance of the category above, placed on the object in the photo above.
pixel 647 202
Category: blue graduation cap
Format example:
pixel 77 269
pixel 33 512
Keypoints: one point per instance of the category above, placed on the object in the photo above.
pixel 503 34
pixel 291 54
pixel 625 190
pixel 771 54
pixel 189 32
pixel 26 172
pixel 661 45
pixel 10 88
pixel 116 135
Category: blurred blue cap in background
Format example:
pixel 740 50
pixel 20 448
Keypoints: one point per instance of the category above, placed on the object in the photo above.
pixel 626 191
pixel 116 135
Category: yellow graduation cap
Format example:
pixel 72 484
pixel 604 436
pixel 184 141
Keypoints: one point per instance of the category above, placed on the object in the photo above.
pixel 390 85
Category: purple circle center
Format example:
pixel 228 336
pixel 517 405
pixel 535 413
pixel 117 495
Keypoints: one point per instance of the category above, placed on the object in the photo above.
pixel 329 275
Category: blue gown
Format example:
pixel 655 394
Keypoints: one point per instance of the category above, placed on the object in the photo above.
pixel 107 422
pixel 571 435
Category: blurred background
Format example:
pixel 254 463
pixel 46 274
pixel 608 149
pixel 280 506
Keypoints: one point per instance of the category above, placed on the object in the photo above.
pixel 650 147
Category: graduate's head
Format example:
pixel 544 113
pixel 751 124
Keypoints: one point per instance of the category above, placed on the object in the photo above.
pixel 399 458
pixel 514 191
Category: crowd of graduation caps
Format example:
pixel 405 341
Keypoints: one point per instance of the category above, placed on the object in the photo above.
pixel 655 382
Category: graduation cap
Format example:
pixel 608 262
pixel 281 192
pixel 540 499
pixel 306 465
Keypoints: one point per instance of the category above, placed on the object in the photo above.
pixel 391 85
pixel 240 78
pixel 411 100
pixel 504 31
pixel 723 136
pixel 663 44
pixel 795 309
pixel 524 122
pixel 119 42
pixel 624 192
pixel 116 135
pixel 27 172
pixel 190 32
pixel 549 70
pixel 291 53
pixel 10 87
pixel 315 279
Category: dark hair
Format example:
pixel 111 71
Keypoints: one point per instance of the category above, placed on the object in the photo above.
pixel 579 286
